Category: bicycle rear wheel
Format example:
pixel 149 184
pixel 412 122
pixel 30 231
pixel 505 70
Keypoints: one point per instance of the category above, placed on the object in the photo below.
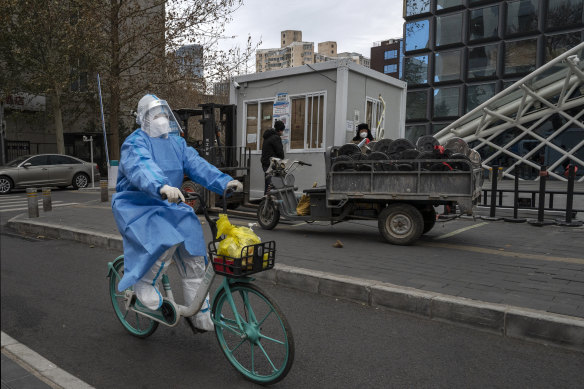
pixel 134 323
pixel 263 351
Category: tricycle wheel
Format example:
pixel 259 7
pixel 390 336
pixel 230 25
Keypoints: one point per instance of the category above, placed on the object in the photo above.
pixel 401 224
pixel 193 187
pixel 268 214
pixel 429 216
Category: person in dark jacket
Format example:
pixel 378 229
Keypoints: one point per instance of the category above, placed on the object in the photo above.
pixel 363 132
pixel 272 147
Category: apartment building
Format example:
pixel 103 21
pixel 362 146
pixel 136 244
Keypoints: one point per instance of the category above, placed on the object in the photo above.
pixel 296 52
pixel 386 57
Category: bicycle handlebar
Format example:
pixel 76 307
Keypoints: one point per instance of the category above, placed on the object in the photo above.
pixel 197 196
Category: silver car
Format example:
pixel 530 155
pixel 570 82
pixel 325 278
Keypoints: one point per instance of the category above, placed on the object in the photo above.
pixel 46 170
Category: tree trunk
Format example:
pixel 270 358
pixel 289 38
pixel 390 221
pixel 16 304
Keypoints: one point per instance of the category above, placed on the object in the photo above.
pixel 56 103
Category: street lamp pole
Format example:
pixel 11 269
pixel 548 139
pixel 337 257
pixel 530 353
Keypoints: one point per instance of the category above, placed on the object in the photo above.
pixel 90 140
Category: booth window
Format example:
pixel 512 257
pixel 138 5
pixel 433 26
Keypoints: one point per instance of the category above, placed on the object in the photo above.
pixel 373 113
pixel 255 124
pixel 307 122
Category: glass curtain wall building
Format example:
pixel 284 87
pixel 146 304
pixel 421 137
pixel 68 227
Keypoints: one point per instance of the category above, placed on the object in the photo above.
pixel 460 53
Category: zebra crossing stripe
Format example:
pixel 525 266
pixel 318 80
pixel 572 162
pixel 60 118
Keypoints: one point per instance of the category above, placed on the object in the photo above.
pixel 24 208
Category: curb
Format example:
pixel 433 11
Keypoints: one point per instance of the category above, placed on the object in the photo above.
pixel 509 321
pixel 48 372
pixel 505 320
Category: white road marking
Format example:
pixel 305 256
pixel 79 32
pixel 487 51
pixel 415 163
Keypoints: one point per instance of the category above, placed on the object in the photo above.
pixel 21 202
pixel 40 208
pixel 460 230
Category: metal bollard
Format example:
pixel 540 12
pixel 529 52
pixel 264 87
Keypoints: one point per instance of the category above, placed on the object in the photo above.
pixel 515 219
pixel 570 200
pixel 47 202
pixel 494 181
pixel 33 202
pixel 104 191
pixel 540 210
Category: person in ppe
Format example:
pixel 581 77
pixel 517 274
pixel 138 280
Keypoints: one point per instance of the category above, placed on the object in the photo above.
pixel 154 224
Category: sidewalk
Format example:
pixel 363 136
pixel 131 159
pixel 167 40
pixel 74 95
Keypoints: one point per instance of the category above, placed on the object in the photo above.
pixel 93 223
pixel 23 368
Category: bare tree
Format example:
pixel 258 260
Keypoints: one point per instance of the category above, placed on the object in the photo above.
pixel 142 40
pixel 47 44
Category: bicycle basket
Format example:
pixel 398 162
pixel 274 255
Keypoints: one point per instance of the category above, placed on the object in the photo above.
pixel 254 259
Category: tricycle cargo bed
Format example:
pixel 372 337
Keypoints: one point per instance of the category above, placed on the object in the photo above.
pixel 417 184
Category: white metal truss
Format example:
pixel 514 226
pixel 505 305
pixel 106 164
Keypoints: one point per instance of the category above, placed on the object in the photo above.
pixel 555 88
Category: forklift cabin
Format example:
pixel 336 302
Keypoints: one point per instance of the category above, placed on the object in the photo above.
pixel 218 147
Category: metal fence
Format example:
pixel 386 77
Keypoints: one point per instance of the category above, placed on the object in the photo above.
pixel 16 148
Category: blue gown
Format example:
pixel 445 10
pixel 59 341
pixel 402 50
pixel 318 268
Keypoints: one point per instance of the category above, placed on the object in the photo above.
pixel 149 225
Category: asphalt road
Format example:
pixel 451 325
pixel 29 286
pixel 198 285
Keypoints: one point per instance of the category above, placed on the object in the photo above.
pixel 54 300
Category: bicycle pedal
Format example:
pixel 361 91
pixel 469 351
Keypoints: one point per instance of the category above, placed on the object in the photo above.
pixel 166 314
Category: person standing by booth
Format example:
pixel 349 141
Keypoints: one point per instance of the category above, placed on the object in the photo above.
pixel 272 147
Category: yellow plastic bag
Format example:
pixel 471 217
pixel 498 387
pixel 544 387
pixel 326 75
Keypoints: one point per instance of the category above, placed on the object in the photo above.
pixel 303 207
pixel 236 238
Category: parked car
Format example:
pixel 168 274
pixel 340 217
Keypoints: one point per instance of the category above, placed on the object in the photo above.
pixel 46 170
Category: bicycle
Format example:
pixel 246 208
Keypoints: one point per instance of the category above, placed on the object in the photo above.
pixel 241 311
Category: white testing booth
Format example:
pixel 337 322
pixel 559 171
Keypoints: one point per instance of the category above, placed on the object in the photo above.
pixel 321 105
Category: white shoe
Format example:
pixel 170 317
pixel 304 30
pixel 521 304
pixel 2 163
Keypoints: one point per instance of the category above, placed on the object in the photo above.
pixel 148 295
pixel 202 319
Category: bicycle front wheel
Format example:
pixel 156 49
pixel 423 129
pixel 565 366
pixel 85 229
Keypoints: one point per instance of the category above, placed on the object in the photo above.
pixel 134 323
pixel 262 348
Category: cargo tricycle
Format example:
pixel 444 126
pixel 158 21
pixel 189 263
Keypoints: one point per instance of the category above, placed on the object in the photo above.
pixel 399 194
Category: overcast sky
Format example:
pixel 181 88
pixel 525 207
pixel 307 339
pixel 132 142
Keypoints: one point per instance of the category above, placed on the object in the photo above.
pixel 353 24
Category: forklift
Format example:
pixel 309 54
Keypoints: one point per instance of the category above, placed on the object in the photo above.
pixel 225 155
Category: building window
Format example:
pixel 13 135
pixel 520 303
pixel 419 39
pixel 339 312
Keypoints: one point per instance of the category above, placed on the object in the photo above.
pixel 447 66
pixel 417 7
pixel 416 105
pixel 482 61
pixel 444 4
pixel 520 56
pixel 254 125
pixel 521 17
pixel 390 68
pixel 558 44
pixel 478 94
pixel 417 35
pixel 438 127
pixel 416 70
pixel 78 76
pixel 449 29
pixel 564 13
pixel 307 122
pixel 484 23
pixel 401 53
pixel 414 132
pixel 446 102
pixel 390 54
pixel 373 113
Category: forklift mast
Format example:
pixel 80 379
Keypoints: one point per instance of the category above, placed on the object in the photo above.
pixel 228 157
pixel 211 128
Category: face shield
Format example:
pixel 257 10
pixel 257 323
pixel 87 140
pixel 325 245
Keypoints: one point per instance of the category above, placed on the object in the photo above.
pixel 156 117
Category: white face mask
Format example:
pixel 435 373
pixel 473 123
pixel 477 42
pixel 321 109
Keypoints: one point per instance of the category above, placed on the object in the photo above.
pixel 363 135
pixel 159 126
